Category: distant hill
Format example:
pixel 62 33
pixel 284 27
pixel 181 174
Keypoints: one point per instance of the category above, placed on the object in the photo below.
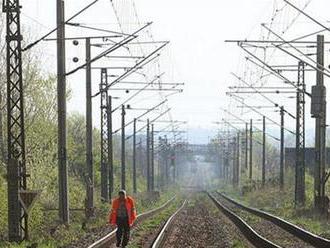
pixel 202 135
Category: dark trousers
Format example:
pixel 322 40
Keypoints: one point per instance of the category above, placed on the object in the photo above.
pixel 123 231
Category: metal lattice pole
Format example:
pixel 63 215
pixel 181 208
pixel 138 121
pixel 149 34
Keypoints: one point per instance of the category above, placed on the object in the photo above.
pixel 17 218
pixel 300 137
pixel 104 135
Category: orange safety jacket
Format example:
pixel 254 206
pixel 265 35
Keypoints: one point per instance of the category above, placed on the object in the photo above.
pixel 131 212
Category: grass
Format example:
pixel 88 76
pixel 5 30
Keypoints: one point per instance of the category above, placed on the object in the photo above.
pixel 52 234
pixel 238 244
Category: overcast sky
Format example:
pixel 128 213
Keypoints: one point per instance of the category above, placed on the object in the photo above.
pixel 197 54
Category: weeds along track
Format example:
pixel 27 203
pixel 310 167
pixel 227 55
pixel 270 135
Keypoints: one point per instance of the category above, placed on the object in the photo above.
pixel 272 228
pixel 110 238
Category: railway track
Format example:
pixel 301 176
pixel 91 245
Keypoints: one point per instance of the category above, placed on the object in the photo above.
pixel 159 240
pixel 256 239
pixel 299 232
pixel 109 239
pixel 273 229
pixel 197 223
pixel 253 234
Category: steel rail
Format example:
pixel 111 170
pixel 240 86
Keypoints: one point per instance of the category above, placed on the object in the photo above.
pixel 162 234
pixel 256 239
pixel 104 241
pixel 299 232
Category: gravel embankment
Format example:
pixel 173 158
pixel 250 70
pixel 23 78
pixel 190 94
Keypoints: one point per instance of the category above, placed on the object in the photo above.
pixel 202 225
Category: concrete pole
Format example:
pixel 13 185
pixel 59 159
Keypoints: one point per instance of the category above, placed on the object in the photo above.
pixel 246 146
pixel 237 160
pixel 61 105
pixel 173 165
pixel 166 162
pixel 134 156
pixel 159 164
pixel 148 156
pixel 89 134
pixel 263 180
pixel 152 159
pixel 234 160
pixel 282 150
pixel 251 150
pixel 110 146
pixel 320 129
pixel 123 155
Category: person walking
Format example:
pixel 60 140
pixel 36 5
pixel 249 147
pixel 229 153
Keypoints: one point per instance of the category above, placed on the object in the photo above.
pixel 122 215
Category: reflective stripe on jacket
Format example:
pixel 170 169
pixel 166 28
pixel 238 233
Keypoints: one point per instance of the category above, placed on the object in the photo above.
pixel 131 212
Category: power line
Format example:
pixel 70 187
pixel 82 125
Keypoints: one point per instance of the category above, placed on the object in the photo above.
pixel 274 71
pixel 254 110
pixel 55 29
pixel 308 16
pixel 130 71
pixel 138 92
pixel 238 118
pixel 140 116
pixel 265 97
pixel 296 49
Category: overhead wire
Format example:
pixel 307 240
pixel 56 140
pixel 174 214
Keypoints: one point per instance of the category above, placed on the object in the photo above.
pixel 131 11
pixel 29 46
